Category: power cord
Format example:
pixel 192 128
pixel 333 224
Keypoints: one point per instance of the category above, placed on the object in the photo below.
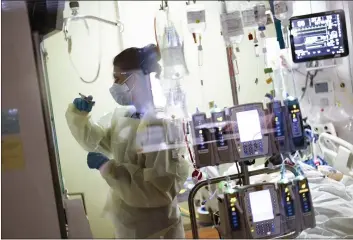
pixel 219 234
pixel 310 77
pixel 240 180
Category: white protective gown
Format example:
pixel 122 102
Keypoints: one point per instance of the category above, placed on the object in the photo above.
pixel 142 201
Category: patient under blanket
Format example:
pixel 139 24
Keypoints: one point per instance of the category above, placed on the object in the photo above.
pixel 333 203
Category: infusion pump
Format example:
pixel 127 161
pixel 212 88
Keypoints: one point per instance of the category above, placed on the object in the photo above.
pixel 246 132
pixel 266 210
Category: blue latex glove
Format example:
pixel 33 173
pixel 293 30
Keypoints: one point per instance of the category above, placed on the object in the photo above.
pixel 84 104
pixel 96 160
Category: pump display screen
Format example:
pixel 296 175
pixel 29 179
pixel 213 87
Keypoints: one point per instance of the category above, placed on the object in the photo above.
pixel 319 36
pixel 261 205
pixel 249 125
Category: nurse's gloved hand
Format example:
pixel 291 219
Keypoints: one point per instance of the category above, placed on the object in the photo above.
pixel 84 104
pixel 96 160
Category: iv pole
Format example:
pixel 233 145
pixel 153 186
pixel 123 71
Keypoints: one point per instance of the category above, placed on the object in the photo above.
pixel 74 6
pixel 229 51
pixel 233 84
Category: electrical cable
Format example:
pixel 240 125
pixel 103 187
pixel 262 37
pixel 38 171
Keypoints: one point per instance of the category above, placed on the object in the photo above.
pixel 219 234
pixel 306 85
pixel 283 170
pixel 240 179
pixel 310 77
pixel 188 147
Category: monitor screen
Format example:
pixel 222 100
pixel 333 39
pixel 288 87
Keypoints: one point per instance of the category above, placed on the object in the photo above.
pixel 249 125
pixel 261 205
pixel 318 36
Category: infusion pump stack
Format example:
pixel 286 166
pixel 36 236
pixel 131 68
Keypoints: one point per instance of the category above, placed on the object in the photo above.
pixel 226 137
pixel 250 131
pixel 246 132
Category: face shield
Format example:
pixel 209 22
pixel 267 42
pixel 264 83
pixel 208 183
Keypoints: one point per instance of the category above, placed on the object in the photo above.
pixel 120 91
pixel 134 88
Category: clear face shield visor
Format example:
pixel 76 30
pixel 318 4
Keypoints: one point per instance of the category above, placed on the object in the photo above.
pixel 137 89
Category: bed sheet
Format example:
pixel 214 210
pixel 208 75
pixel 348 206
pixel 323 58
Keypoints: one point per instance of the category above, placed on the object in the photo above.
pixel 333 204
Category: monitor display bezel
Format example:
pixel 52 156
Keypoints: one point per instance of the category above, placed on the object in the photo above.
pixel 341 14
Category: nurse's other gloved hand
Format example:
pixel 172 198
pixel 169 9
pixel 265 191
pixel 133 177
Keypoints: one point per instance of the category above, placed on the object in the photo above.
pixel 96 160
pixel 84 105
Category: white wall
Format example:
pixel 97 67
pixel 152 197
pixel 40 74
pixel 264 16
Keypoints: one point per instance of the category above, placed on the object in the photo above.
pixel 138 17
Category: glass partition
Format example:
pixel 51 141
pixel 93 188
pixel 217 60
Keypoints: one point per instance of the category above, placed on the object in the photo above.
pixel 136 105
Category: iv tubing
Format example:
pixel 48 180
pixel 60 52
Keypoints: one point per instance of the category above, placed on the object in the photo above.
pixel 99 58
pixel 188 147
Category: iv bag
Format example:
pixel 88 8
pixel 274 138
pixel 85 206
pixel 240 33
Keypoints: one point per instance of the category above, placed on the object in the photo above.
pixel 175 110
pixel 248 14
pixel 176 102
pixel 196 18
pixel 283 11
pixel 260 14
pixel 232 27
pixel 171 46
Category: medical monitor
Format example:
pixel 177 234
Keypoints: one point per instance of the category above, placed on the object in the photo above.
pixel 318 36
pixel 249 125
pixel 46 16
pixel 261 205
